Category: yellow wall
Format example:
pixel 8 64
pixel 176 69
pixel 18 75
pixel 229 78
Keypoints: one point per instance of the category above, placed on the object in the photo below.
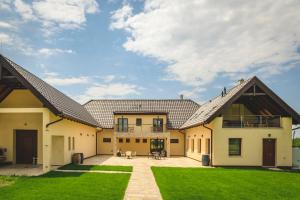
pixel 105 148
pixel 85 137
pixel 21 99
pixel 140 148
pixel 196 133
pixel 22 121
pixel 177 149
pixel 252 139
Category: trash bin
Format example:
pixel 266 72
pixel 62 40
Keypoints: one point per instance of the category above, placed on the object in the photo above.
pixel 76 158
pixel 81 158
pixel 205 160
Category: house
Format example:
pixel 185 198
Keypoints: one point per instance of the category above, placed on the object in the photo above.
pixel 247 125
pixel 39 123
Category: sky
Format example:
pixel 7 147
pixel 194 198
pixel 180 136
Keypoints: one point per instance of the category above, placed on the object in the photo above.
pixel 92 49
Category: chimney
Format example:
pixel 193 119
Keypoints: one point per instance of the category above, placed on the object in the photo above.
pixel 181 97
pixel 241 81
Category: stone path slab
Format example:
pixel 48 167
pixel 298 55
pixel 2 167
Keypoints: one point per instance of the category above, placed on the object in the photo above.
pixel 142 185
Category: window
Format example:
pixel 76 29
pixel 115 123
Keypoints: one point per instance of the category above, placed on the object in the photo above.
pixel 187 144
pixel 207 146
pixel 122 125
pixel 127 140
pixel 193 145
pixel 199 145
pixel 69 143
pixel 107 140
pixel 137 140
pixel 138 122
pixel 235 146
pixel 144 140
pixel 174 140
pixel 120 140
pixel 73 143
pixel 158 125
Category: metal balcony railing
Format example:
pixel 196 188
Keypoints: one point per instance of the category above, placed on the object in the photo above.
pixel 133 128
pixel 252 121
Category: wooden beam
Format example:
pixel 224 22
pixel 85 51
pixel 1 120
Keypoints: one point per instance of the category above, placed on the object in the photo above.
pixel 5 93
pixel 254 94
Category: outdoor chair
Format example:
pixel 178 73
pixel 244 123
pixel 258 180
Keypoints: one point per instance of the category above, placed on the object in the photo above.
pixel 128 154
pixel 163 154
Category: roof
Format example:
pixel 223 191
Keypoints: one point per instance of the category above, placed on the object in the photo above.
pixel 54 100
pixel 177 110
pixel 213 108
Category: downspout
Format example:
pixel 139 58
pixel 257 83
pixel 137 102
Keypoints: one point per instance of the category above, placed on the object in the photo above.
pixel 51 123
pixel 211 143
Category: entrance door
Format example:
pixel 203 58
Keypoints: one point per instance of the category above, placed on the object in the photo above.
pixel 26 146
pixel 157 145
pixel 269 152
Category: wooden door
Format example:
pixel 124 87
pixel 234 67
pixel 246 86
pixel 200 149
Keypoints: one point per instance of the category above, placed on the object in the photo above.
pixel 26 146
pixel 269 149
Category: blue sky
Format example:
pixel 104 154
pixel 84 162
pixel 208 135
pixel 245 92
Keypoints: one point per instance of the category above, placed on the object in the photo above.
pixel 154 49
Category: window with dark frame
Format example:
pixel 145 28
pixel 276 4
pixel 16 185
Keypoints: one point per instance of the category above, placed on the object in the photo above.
pixel 69 143
pixel 137 140
pixel 138 122
pixel 174 140
pixel 234 148
pixel 127 140
pixel 122 125
pixel 208 146
pixel 107 140
pixel 120 140
pixel 158 125
pixel 199 145
pixel 193 145
pixel 73 143
pixel 144 140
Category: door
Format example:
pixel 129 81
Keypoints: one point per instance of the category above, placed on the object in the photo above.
pixel 26 146
pixel 269 152
pixel 157 145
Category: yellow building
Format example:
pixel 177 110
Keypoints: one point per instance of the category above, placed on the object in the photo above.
pixel 39 124
pixel 247 125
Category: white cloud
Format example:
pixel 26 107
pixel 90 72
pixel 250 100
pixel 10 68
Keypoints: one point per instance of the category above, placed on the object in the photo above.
pixel 109 78
pixel 5 5
pixel 120 17
pixel 56 80
pixel 50 52
pixel 110 90
pixel 5 38
pixel 57 14
pixel 24 10
pixel 201 39
pixel 6 25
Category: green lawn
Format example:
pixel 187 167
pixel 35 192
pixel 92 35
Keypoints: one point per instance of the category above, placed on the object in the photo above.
pixel 223 183
pixel 65 186
pixel 296 142
pixel 97 167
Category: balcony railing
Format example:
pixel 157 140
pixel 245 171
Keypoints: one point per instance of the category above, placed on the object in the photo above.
pixel 251 121
pixel 133 128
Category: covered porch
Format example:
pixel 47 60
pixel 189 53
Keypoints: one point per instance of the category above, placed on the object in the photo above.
pixel 141 145
pixel 24 139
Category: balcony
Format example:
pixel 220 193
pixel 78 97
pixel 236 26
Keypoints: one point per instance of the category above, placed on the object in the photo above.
pixel 144 130
pixel 252 121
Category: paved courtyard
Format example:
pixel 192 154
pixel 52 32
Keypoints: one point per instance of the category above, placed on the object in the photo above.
pixel 142 185
pixel 21 170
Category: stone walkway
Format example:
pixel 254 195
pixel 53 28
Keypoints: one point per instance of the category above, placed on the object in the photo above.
pixel 142 185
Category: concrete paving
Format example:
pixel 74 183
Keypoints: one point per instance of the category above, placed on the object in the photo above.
pixel 21 170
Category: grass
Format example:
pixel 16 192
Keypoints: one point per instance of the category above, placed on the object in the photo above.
pixel 296 142
pixel 97 167
pixel 223 183
pixel 7 180
pixel 66 185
